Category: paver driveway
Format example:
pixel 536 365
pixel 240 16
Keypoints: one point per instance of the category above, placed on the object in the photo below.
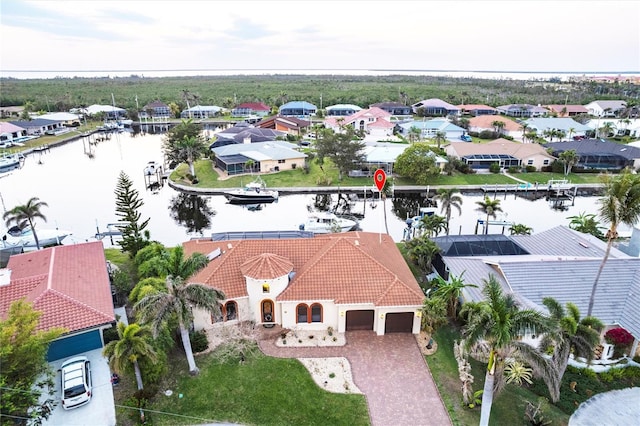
pixel 390 370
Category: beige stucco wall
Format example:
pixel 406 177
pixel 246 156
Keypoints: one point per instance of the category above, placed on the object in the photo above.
pixel 329 315
pixel 270 165
pixel 202 319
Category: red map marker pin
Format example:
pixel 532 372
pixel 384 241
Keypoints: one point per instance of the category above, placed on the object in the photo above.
pixel 379 178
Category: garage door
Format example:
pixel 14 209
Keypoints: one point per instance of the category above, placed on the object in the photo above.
pixel 73 345
pixel 401 322
pixel 359 320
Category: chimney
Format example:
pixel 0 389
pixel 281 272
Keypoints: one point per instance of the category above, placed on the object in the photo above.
pixel 247 140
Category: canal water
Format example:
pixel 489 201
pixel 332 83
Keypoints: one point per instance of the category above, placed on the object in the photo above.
pixel 77 181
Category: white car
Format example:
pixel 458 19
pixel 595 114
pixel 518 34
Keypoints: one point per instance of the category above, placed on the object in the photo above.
pixel 76 382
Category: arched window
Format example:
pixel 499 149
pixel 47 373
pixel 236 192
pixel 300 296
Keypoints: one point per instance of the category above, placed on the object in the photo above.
pixel 231 310
pixel 316 312
pixel 302 311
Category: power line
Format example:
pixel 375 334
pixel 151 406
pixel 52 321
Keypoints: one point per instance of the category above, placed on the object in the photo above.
pixel 166 413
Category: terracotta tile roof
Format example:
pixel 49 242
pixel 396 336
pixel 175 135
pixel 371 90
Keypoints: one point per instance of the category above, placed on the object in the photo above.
pixel 68 284
pixel 373 112
pixel 266 266
pixel 256 106
pixel 485 122
pixel 351 267
pixel 577 109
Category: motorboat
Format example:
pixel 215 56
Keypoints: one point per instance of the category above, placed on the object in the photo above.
pixel 6 251
pixel 327 222
pixel 254 192
pixel 10 162
pixel 152 168
pixel 25 239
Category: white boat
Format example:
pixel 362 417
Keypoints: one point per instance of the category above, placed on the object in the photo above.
pixel 24 237
pixel 416 221
pixel 254 192
pixel 326 222
pixel 10 162
pixel 152 168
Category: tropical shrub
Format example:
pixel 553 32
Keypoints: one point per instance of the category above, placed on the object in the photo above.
pixel 494 168
pixel 199 342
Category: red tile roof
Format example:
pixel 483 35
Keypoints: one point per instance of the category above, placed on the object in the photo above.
pixel 351 267
pixel 576 109
pixel 486 122
pixel 266 266
pixel 68 284
pixel 255 106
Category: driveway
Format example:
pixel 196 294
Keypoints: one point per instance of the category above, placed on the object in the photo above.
pixel 100 411
pixel 390 370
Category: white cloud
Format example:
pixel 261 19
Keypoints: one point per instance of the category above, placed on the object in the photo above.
pixel 472 35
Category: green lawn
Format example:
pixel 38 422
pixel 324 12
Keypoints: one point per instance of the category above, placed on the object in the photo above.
pixel 263 390
pixel 209 178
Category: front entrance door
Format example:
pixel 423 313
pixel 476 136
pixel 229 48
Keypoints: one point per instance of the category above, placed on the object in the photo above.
pixel 267 312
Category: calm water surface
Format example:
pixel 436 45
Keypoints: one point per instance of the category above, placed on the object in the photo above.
pixel 79 190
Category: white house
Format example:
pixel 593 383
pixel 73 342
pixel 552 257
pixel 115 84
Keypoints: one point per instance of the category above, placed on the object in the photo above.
pixel 347 281
pixel 605 108
pixel 430 128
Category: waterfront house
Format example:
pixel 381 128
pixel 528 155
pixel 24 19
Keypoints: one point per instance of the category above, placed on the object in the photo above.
pixel 342 110
pixel 70 285
pixel 245 133
pixel 346 281
pixel 434 108
pixel 502 151
pixel 155 110
pixel 267 157
pixel 566 110
pixel 110 112
pixel 522 110
pixel 66 118
pixel 394 108
pixel 9 133
pixel 383 155
pixel 39 126
pixel 247 109
pixel 430 128
pixel 11 111
pixel 483 123
pixel 201 112
pixel 373 121
pixel 289 125
pixel 300 109
pixel 476 110
pixel 559 263
pixel 570 127
pixel 606 108
pixel 598 154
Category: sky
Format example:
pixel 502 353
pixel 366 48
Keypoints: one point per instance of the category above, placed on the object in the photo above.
pixel 535 36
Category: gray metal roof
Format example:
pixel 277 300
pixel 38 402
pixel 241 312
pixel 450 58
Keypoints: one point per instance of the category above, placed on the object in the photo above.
pixel 564 241
pixel 562 264
pixel 572 281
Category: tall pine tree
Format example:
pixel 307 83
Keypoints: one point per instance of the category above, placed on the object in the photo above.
pixel 128 201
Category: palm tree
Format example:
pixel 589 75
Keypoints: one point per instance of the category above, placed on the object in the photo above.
pixel 178 302
pixel 572 334
pixel 607 129
pixel 414 134
pixel 191 149
pixel 248 165
pixel 433 224
pixel 422 251
pixel 24 215
pixel 131 346
pixel 524 127
pixel 571 132
pixel 490 208
pixel 440 138
pixel 157 261
pixel 498 321
pixel 586 223
pixel 619 205
pixel 520 229
pixel 569 159
pixel 450 291
pixel 498 125
pixel 449 199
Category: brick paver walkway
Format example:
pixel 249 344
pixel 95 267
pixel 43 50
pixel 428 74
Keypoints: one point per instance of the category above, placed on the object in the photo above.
pixel 390 370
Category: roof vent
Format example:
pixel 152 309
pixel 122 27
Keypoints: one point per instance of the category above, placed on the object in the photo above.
pixel 229 246
pixel 216 253
pixel 357 243
pixel 585 245
pixel 5 276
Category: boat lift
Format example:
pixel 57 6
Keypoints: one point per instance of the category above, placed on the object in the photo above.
pixel 113 230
